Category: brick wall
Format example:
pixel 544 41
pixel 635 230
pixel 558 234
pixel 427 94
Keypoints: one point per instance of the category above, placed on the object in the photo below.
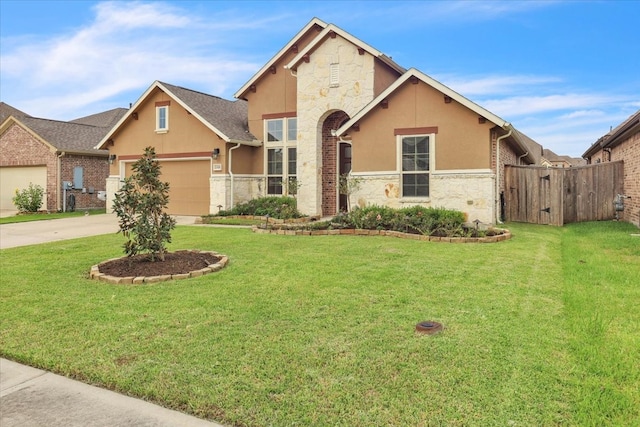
pixel 95 173
pixel 629 152
pixel 507 156
pixel 330 163
pixel 19 148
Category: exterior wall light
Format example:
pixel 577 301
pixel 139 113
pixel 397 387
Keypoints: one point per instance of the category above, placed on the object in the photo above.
pixel 215 153
pixel 112 158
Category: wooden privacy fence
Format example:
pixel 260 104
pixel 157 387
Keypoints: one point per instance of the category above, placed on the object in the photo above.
pixel 558 196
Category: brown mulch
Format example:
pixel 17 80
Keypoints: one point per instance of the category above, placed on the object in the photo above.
pixel 179 262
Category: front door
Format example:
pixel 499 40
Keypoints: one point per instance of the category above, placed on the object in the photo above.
pixel 344 169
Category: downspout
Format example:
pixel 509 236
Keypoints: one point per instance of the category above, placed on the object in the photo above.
pixel 520 158
pixel 231 172
pixel 59 173
pixel 507 135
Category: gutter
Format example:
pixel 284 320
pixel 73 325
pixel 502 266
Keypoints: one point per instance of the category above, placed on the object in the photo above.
pixel 230 171
pixel 498 141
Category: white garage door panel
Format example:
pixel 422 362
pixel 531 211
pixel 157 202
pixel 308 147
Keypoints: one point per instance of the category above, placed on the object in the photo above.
pixel 12 178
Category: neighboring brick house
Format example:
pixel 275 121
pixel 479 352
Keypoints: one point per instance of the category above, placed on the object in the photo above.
pixel 325 105
pixel 622 143
pixel 50 152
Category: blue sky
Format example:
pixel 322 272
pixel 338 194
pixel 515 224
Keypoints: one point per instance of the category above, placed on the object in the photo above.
pixel 563 72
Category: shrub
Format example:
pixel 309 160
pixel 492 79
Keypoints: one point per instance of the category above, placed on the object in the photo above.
pixel 414 219
pixel 140 206
pixel 29 199
pixel 275 206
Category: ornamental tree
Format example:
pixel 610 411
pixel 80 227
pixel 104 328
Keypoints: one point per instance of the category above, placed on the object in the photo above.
pixel 140 206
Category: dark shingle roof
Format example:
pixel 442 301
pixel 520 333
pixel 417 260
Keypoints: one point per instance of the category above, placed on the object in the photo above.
pixel 66 136
pixel 535 149
pixel 229 117
pixel 7 110
pixel 105 119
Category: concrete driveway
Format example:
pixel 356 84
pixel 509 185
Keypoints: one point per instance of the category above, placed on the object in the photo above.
pixel 34 232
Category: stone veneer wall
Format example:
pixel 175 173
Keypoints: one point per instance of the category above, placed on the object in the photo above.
pixel 112 186
pixel 317 100
pixel 470 193
pixel 245 188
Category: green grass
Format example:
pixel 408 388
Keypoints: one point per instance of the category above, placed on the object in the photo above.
pixel 232 221
pixel 542 329
pixel 47 216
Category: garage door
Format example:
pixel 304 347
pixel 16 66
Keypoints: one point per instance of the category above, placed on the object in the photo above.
pixel 12 178
pixel 188 185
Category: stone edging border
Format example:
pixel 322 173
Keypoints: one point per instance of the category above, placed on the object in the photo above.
pixel 506 235
pixel 96 275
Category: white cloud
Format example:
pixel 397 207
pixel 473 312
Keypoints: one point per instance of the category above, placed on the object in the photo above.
pixel 524 105
pixel 495 84
pixel 127 46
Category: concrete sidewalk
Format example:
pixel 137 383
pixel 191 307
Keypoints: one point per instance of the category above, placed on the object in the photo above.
pixel 31 397
pixel 34 232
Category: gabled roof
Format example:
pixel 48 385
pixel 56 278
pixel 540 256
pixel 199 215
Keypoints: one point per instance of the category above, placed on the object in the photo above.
pixel 277 56
pixel 535 149
pixel 616 135
pixel 61 136
pixel 227 119
pixel 105 119
pixel 7 110
pixel 326 32
pixel 516 136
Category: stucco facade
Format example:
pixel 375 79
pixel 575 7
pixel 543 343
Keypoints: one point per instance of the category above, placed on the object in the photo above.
pixel 327 104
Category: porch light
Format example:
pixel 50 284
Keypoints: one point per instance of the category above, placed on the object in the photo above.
pixel 112 158
pixel 215 153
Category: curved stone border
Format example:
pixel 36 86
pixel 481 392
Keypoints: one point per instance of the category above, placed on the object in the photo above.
pixel 506 235
pixel 96 275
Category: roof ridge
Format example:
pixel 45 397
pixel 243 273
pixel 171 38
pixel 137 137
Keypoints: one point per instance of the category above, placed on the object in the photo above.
pixel 60 121
pixel 194 91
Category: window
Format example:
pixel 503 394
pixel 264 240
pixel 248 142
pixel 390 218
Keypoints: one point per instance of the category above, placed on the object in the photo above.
pixel 162 118
pixel 415 166
pixel 281 136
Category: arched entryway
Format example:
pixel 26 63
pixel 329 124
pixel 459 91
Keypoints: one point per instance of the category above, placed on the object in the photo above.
pixel 336 160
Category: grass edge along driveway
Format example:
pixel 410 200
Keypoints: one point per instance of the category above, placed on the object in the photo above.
pixel 303 330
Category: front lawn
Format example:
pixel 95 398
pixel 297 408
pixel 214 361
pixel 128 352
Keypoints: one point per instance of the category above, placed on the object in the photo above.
pixel 543 329
pixel 40 216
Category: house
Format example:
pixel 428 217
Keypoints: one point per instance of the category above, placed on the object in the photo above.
pixel 202 142
pixel 49 153
pixel 326 105
pixel 551 159
pixel 622 143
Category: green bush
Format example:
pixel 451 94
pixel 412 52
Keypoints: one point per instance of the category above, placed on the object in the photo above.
pixel 276 207
pixel 29 199
pixel 414 219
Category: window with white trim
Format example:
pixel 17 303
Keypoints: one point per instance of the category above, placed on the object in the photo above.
pixel 281 160
pixel 415 161
pixel 162 118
